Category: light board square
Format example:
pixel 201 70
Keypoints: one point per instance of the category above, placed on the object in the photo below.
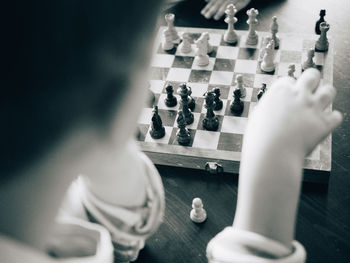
pixel 210 66
pixel 198 89
pixel 232 124
pixel 162 60
pixel 164 140
pixel 227 52
pixel 178 74
pixel 157 86
pixel 221 77
pixel 246 66
pixel 206 139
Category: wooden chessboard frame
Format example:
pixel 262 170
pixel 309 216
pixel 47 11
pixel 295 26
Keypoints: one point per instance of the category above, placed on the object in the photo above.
pixel 189 157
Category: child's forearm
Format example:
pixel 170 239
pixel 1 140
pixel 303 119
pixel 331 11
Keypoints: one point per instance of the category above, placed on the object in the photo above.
pixel 268 193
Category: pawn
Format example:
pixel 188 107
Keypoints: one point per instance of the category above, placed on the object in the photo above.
pixel 170 100
pixel 261 91
pixel 317 26
pixel 183 135
pixel 237 105
pixel 198 213
pixel 309 62
pixel 322 43
pixel 274 30
pixel 185 45
pixel 240 85
pixel 291 70
pixel 157 130
pixel 217 101
pixel 167 43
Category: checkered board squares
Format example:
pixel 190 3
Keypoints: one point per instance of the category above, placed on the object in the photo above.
pixel 226 61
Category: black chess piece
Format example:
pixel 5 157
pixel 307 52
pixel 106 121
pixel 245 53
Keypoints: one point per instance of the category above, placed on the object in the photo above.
pixel 210 122
pixel 183 91
pixel 261 91
pixel 237 105
pixel 217 100
pixel 170 100
pixel 157 129
pixel 191 101
pixel 183 135
pixel 317 26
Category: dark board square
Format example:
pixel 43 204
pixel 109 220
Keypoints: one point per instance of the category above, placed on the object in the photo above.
pixel 200 76
pixel 244 113
pixel 259 71
pixel 290 56
pixel 255 94
pixel 222 64
pixel 175 85
pixel 223 43
pixel 201 118
pixel 248 79
pixel 199 104
pixel 193 37
pixel 224 90
pixel 230 142
pixel 159 73
pixel 168 117
pixel 173 137
pixel 213 53
pixel 170 52
pixel 182 62
pixel 248 53
pixel 142 132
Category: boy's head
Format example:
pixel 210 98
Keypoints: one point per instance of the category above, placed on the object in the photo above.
pixel 67 63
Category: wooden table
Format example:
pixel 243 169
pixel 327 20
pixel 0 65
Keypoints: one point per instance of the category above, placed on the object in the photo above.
pixel 323 225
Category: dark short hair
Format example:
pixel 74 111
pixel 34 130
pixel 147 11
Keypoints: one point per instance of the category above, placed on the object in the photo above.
pixel 50 81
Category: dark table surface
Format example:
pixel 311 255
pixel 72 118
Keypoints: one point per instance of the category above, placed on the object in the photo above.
pixel 323 223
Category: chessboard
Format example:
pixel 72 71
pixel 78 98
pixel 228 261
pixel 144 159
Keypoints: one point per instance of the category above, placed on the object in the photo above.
pixel 223 147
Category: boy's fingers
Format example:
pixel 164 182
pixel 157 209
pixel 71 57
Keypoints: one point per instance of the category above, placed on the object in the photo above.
pixel 213 9
pixel 207 7
pixel 333 119
pixel 324 96
pixel 222 9
pixel 309 80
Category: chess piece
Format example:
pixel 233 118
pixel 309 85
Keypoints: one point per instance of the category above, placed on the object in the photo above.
pixel 185 45
pixel 157 129
pixel 274 30
pixel 210 122
pixel 252 38
pixel 317 26
pixel 202 58
pixel 263 50
pixel 261 91
pixel 268 64
pixel 191 101
pixel 170 100
pixel 309 62
pixel 217 101
pixel 198 213
pixel 167 42
pixel 240 85
pixel 230 35
pixel 291 70
pixel 183 91
pixel 205 36
pixel 183 135
pixel 237 105
pixel 322 43
pixel 169 18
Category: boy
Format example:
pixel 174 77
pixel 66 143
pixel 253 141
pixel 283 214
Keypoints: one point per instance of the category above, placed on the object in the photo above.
pixel 71 95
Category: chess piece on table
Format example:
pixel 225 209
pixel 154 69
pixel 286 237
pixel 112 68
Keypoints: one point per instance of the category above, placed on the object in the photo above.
pixel 322 43
pixel 185 45
pixel 261 91
pixel 198 213
pixel 217 101
pixel 268 64
pixel 252 38
pixel 266 41
pixel 169 18
pixel 317 26
pixel 240 85
pixel 211 121
pixel 157 130
pixel 274 30
pixel 309 62
pixel 291 70
pixel 230 35
pixel 167 41
pixel 170 100
pixel 183 91
pixel 205 36
pixel 237 106
pixel 202 58
pixel 191 101
pixel 183 135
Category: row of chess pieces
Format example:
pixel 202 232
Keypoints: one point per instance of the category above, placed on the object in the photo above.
pixel 187 105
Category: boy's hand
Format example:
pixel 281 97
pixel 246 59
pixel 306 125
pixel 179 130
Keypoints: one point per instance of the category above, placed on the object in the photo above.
pixel 296 115
pixel 216 8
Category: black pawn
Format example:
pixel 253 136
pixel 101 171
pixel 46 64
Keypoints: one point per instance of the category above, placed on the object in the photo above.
pixel 237 105
pixel 157 129
pixel 317 26
pixel 183 135
pixel 261 91
pixel 217 100
pixel 170 100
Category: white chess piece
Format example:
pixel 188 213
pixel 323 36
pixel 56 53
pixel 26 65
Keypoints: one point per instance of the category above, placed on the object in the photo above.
pixel 268 64
pixel 252 38
pixel 167 42
pixel 240 85
pixel 198 214
pixel 169 18
pixel 230 35
pixel 291 70
pixel 205 36
pixel 274 30
pixel 309 62
pixel 202 58
pixel 322 43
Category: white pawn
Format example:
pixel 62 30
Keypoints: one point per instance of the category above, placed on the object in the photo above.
pixel 322 43
pixel 240 85
pixel 198 213
pixel 268 64
pixel 167 43
pixel 309 62
pixel 202 58
pixel 185 45
pixel 205 36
